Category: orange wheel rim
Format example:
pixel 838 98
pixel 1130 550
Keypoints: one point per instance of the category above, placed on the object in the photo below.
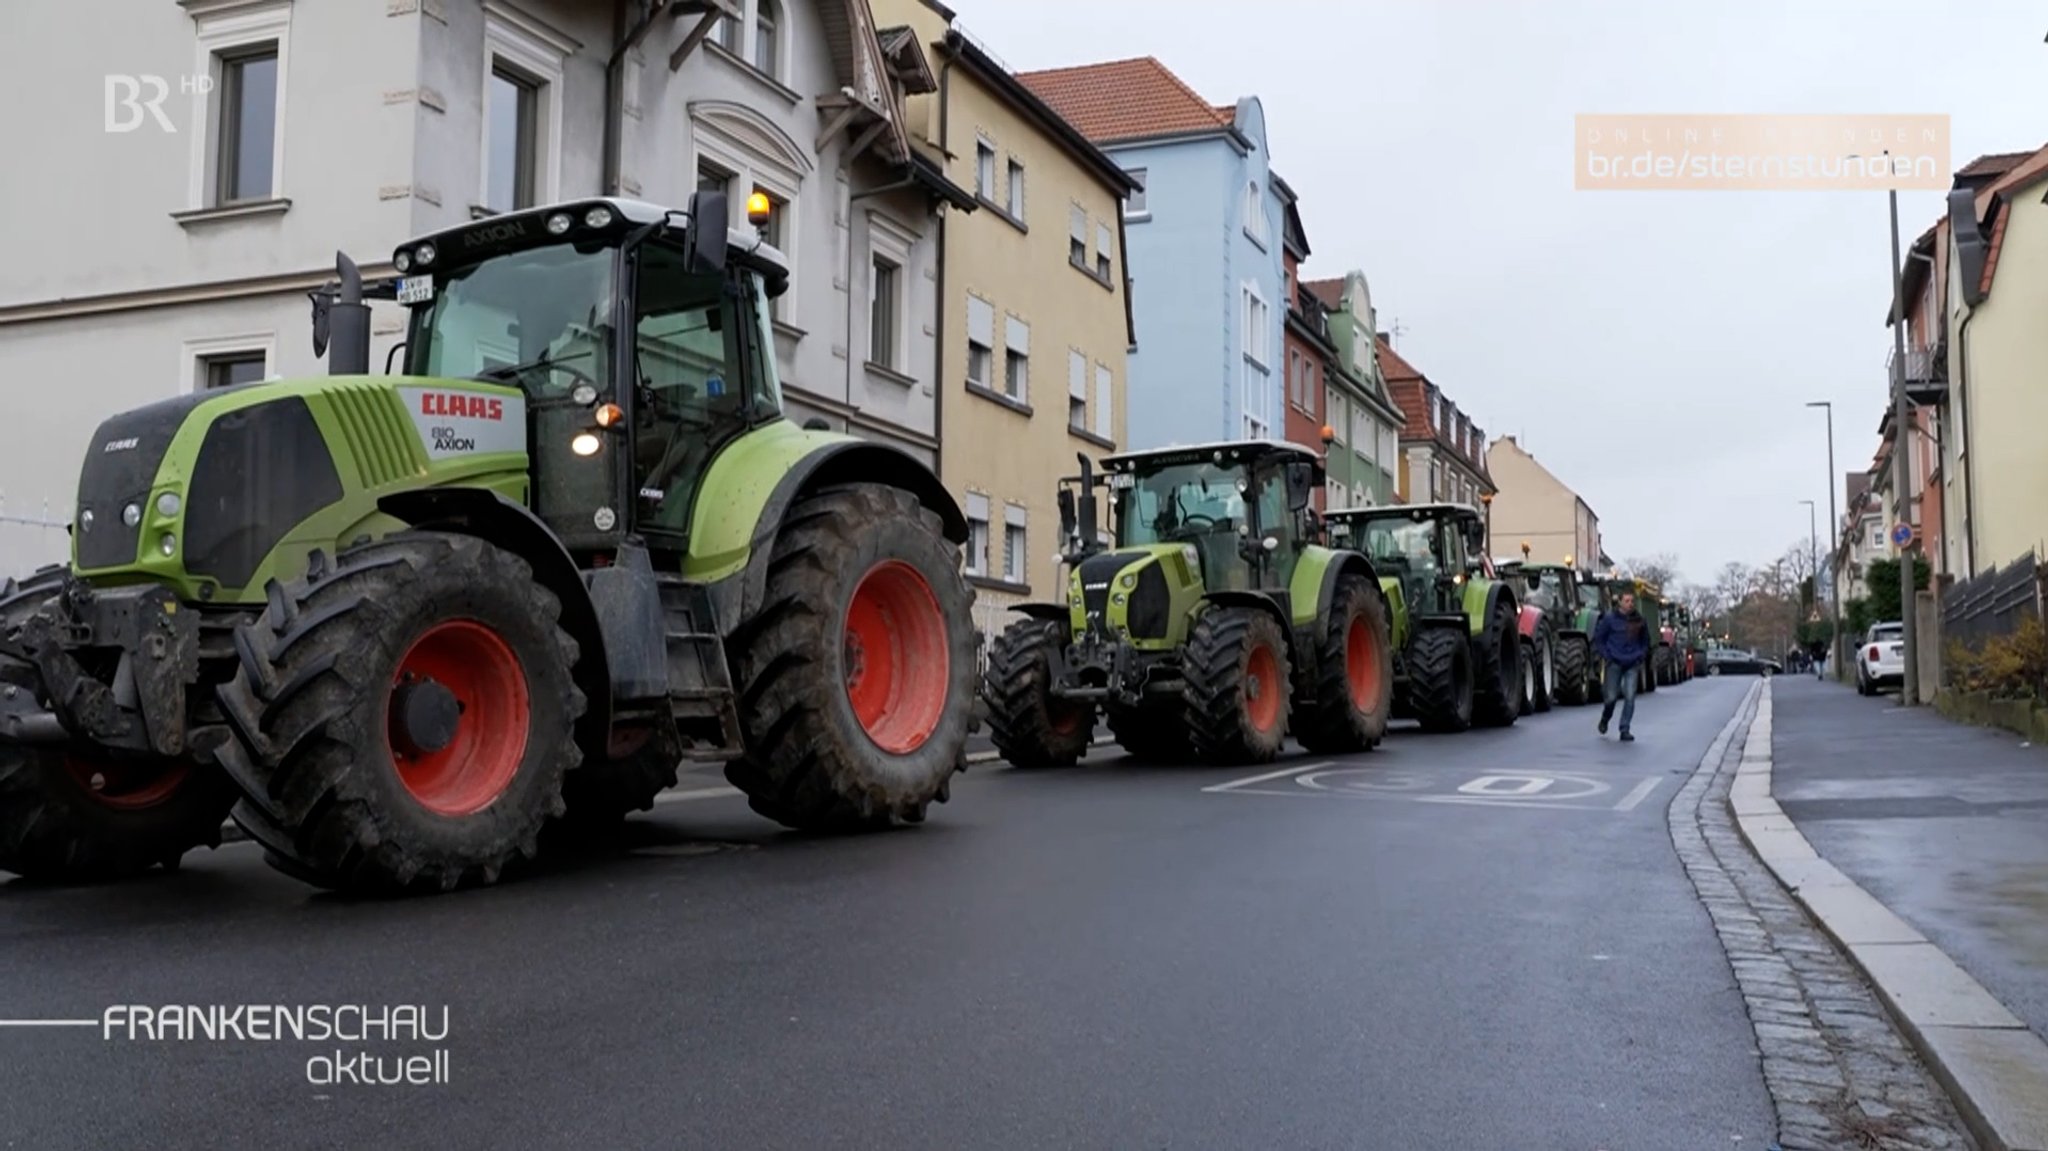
pixel 1262 688
pixel 125 786
pixel 898 662
pixel 478 762
pixel 1361 665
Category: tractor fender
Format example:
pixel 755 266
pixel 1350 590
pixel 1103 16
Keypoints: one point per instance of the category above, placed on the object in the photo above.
pixel 1340 563
pixel 1532 621
pixel 1482 599
pixel 502 523
pixel 1257 601
pixel 1049 612
pixel 831 463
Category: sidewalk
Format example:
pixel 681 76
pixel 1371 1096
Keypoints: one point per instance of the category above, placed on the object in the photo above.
pixel 1945 826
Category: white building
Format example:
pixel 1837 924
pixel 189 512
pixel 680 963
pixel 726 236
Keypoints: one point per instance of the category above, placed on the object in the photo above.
pixel 220 152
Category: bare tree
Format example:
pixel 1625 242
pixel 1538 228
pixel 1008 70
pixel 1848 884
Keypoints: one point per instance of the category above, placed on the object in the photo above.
pixel 1660 570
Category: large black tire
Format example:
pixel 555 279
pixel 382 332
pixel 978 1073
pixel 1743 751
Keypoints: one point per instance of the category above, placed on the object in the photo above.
pixel 1155 733
pixel 1346 708
pixel 1235 686
pixel 1496 669
pixel 65 820
pixel 605 789
pixel 1574 661
pixel 1648 669
pixel 1526 691
pixel 329 790
pixel 812 764
pixel 1545 670
pixel 1440 679
pixel 1029 727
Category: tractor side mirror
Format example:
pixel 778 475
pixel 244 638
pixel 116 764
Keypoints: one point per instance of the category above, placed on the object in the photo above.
pixel 1300 485
pixel 706 236
pixel 1068 524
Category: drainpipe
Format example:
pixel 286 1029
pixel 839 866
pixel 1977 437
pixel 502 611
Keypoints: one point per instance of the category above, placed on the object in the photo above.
pixel 939 306
pixel 614 99
pixel 1969 441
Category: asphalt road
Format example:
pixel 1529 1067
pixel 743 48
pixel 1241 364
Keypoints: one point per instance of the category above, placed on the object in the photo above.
pixel 1425 946
pixel 1945 824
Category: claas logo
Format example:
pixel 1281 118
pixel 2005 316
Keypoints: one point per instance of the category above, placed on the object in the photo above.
pixel 462 405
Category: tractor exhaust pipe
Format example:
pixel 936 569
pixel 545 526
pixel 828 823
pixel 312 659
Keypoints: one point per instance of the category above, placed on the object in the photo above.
pixel 341 321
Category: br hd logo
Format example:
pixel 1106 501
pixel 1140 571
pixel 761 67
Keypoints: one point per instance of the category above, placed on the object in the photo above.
pixel 127 104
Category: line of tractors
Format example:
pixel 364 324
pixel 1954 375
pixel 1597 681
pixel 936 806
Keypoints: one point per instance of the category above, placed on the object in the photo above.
pixel 406 629
pixel 1224 613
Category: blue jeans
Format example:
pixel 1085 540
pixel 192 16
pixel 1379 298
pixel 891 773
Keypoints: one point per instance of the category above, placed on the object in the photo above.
pixel 1618 682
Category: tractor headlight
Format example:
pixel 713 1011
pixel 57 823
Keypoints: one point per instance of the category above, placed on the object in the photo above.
pixel 559 223
pixel 599 217
pixel 131 515
pixel 1127 581
pixel 168 544
pixel 167 505
pixel 584 395
pixel 402 261
pixel 85 519
pixel 425 254
pixel 1117 599
pixel 585 444
pixel 1189 554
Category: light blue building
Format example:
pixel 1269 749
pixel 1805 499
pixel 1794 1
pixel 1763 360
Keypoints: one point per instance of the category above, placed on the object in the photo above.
pixel 1208 287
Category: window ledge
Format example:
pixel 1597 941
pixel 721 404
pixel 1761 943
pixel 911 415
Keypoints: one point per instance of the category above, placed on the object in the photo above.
pixel 1137 217
pixel 999 399
pixel 1256 241
pixel 990 583
pixel 1002 212
pixel 883 371
pixel 1104 282
pixel 233 212
pixel 747 69
pixel 785 328
pixel 1103 442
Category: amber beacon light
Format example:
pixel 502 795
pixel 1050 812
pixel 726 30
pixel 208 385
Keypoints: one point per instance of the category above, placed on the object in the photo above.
pixel 757 209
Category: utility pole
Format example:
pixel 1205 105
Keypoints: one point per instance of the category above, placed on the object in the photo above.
pixel 1909 694
pixel 1835 649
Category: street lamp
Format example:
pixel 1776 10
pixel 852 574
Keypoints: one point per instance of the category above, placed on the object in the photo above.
pixel 1834 543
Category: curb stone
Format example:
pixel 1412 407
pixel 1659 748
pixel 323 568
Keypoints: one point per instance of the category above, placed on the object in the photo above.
pixel 1993 1068
pixel 1839 1075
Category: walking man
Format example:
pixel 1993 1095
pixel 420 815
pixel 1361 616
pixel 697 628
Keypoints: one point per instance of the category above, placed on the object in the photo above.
pixel 1621 638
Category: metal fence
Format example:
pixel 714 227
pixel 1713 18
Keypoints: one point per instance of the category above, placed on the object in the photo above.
pixel 31 535
pixel 1993 604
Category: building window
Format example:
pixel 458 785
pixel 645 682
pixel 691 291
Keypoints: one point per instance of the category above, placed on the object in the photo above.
pixel 977 534
pixel 778 208
pixel 766 54
pixel 1077 391
pixel 1077 237
pixel 1105 406
pixel 1017 360
pixel 731 33
pixel 1255 213
pixel 1016 556
pixel 981 343
pixel 712 178
pixel 1016 203
pixel 1104 244
pixel 1254 401
pixel 515 134
pixel 1338 415
pixel 883 310
pixel 231 369
pixel 729 157
pixel 1135 205
pixel 1258 340
pixel 248 124
pixel 985 170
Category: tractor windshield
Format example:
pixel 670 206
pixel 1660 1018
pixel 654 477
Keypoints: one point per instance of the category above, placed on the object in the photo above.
pixel 540 319
pixel 1195 503
pixel 1547 590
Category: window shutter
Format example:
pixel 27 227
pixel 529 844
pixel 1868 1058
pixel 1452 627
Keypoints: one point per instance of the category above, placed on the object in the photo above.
pixel 977 506
pixel 1077 224
pixel 1104 242
pixel 981 322
pixel 1077 376
pixel 1014 516
pixel 1104 384
pixel 1019 334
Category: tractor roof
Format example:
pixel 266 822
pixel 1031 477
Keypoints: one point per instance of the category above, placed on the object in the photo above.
pixel 1230 451
pixel 1405 511
pixel 507 231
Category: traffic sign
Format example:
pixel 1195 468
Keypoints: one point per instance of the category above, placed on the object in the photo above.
pixel 1902 534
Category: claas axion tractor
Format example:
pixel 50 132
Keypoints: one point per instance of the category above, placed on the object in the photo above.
pixel 399 625
pixel 1213 625
pixel 1459 652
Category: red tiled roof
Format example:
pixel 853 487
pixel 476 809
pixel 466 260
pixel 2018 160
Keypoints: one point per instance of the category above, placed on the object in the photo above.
pixel 1330 292
pixel 2030 168
pixel 1407 396
pixel 1125 100
pixel 1992 164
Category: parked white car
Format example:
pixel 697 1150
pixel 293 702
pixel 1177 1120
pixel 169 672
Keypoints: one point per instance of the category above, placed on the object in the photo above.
pixel 1881 659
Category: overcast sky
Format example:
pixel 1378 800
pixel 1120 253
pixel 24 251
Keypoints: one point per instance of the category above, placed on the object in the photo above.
pixel 1654 349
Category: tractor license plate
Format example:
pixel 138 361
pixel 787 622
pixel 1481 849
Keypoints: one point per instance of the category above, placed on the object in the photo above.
pixel 415 289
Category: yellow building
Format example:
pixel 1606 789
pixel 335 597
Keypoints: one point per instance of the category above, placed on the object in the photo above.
pixel 1534 507
pixel 1034 317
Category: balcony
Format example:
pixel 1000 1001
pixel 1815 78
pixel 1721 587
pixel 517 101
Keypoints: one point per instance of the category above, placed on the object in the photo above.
pixel 1926 371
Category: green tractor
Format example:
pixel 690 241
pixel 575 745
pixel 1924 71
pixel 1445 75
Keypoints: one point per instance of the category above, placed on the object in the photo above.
pixel 401 625
pixel 1214 624
pixel 1457 631
pixel 1571 606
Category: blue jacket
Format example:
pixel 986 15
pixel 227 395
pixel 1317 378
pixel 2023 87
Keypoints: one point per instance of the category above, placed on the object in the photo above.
pixel 1622 640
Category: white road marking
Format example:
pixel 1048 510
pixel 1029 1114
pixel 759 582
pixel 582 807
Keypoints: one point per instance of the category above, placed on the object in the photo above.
pixel 1642 792
pixel 1484 785
pixel 1271 775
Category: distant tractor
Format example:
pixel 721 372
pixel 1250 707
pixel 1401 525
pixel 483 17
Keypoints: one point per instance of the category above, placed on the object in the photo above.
pixel 1571 606
pixel 1457 634
pixel 1212 625
pixel 401 625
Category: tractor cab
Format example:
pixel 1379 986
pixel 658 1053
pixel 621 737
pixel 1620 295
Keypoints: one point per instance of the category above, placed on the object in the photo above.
pixel 1242 508
pixel 638 338
pixel 1430 548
